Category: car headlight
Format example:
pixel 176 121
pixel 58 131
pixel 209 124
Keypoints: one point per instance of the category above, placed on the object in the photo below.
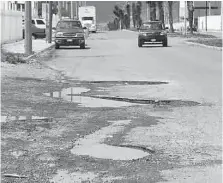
pixel 80 34
pixel 59 34
pixel 143 33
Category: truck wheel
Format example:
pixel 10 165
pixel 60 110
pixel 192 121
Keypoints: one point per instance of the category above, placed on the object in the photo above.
pixel 82 46
pixel 139 43
pixel 165 43
pixel 57 46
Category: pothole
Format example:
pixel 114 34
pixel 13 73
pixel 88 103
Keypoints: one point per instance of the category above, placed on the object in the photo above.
pixel 92 145
pixel 73 95
pixel 124 82
pixel 173 103
pixel 28 79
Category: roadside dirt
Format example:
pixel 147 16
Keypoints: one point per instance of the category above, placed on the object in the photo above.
pixel 41 149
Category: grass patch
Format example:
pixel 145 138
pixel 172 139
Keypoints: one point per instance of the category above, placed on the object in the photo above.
pixel 217 42
pixel 13 58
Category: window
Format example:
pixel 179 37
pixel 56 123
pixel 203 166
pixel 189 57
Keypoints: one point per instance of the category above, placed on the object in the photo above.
pixel 33 22
pixel 152 26
pixel 87 18
pixel 69 24
pixel 40 22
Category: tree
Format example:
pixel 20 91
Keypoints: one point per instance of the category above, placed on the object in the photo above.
pixel 152 10
pixel 138 13
pixel 170 9
pixel 55 7
pixel 134 16
pixel 119 13
pixel 161 12
pixel 128 14
pixel 190 8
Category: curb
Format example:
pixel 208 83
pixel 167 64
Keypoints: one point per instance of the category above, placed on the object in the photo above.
pixel 204 46
pixel 38 53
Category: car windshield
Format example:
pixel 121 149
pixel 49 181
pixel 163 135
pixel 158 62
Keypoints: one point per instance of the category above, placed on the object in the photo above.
pixel 87 18
pixel 40 22
pixel 69 25
pixel 151 26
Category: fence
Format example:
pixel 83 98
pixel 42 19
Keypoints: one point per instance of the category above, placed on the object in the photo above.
pixel 213 23
pixel 11 25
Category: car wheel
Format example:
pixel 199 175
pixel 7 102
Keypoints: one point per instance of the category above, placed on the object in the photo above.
pixel 82 46
pixel 57 46
pixel 165 43
pixel 23 34
pixel 139 43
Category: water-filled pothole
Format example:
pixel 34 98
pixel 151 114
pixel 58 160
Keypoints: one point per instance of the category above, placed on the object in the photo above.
pixel 123 82
pixel 92 145
pixel 173 103
pixel 73 95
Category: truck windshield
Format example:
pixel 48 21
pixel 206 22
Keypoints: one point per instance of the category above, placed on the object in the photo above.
pixel 87 18
pixel 69 24
pixel 151 26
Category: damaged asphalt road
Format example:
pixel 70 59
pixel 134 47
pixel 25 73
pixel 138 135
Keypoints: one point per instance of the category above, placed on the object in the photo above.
pixel 144 121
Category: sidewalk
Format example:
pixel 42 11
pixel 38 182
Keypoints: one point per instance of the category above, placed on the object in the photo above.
pixel 218 34
pixel 38 45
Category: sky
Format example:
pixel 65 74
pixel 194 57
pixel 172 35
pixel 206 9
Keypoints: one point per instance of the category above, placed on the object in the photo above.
pixel 104 10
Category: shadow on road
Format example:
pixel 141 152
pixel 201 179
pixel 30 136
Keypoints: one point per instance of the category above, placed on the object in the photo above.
pixel 148 46
pixel 74 48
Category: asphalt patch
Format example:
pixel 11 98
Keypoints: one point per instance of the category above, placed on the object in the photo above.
pixel 173 103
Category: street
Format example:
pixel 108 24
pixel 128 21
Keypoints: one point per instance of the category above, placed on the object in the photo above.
pixel 121 113
pixel 115 56
pixel 192 73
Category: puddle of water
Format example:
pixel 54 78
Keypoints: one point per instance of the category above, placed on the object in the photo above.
pixel 92 145
pixel 110 152
pixel 66 91
pixel 68 95
pixel 23 118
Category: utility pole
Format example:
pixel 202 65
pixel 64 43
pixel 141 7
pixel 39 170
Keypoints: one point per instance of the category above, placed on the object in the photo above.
pixel 47 23
pixel 28 24
pixel 185 18
pixel 50 22
pixel 206 16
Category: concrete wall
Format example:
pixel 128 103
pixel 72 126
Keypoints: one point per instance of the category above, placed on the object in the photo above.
pixel 11 24
pixel 213 23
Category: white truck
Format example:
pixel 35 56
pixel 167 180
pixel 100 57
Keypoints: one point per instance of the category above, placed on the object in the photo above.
pixel 87 16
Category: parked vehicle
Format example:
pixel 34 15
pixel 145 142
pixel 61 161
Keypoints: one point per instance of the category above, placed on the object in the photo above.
pixel 152 32
pixel 87 16
pixel 69 32
pixel 38 28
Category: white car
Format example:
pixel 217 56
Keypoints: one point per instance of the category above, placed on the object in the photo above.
pixel 38 28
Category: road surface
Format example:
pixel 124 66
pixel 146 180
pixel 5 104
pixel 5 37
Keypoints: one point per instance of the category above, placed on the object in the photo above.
pixel 187 132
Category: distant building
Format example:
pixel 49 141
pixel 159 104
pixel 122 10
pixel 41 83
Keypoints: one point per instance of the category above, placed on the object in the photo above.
pixel 213 8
